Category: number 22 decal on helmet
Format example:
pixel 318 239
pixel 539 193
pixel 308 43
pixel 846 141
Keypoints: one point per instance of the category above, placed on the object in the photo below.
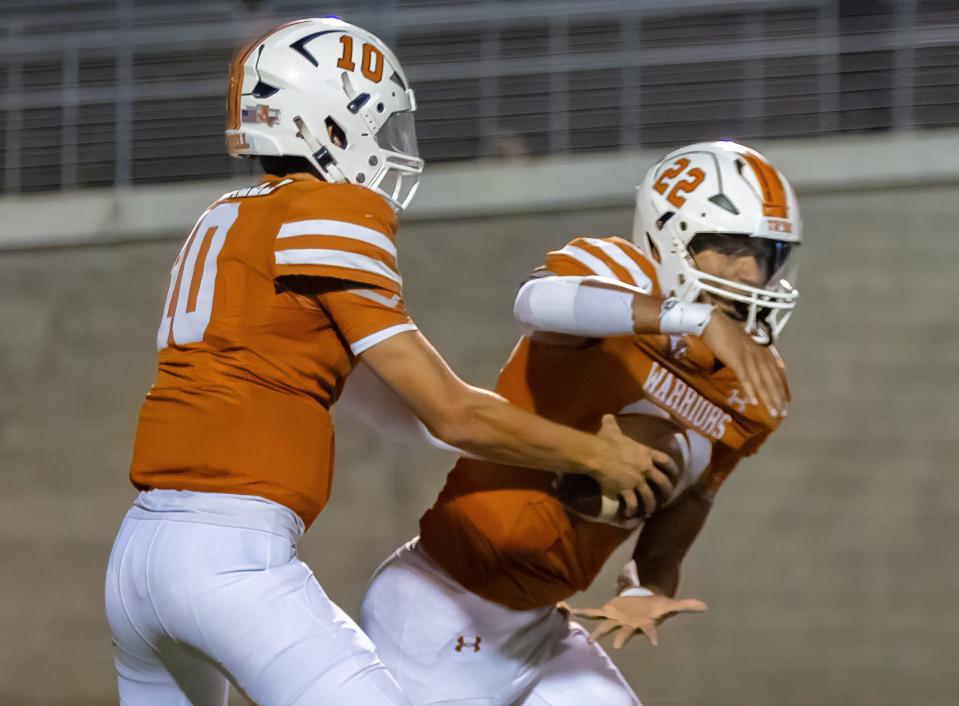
pixel 694 178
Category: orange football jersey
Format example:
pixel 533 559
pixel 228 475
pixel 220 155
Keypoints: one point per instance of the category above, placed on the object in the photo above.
pixel 275 292
pixel 499 530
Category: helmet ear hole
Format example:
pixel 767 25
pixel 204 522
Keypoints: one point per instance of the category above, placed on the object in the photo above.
pixel 336 133
pixel 654 251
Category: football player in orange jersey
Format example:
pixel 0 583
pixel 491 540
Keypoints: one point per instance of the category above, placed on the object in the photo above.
pixel 677 326
pixel 278 292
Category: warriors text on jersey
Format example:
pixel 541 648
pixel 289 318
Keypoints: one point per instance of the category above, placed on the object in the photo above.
pixel 275 292
pixel 499 530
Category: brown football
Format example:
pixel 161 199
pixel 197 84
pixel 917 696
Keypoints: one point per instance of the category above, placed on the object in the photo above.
pixel 581 493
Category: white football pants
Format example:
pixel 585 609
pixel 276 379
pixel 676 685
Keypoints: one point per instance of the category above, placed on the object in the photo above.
pixel 206 588
pixel 446 645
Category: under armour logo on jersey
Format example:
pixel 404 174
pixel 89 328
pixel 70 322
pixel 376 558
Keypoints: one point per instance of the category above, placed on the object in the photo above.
pixel 461 643
pixel 678 348
pixel 738 402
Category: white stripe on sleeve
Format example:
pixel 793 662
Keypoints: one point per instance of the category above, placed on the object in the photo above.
pixel 340 229
pixel 336 258
pixel 640 278
pixel 368 342
pixel 591 261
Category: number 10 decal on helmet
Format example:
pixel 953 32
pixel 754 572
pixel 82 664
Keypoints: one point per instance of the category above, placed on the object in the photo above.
pixel 725 196
pixel 330 92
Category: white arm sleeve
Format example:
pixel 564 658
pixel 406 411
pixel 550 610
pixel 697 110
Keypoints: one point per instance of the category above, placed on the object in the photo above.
pixel 572 306
pixel 371 400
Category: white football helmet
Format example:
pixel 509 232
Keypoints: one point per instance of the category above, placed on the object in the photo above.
pixel 711 189
pixel 333 93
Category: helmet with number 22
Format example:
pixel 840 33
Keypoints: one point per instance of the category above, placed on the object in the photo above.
pixel 333 93
pixel 715 189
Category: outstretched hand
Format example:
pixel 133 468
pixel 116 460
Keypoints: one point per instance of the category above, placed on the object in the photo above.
pixel 628 615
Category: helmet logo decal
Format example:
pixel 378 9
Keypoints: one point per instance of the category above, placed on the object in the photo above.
pixel 372 64
pixel 723 202
pixel 300 45
pixel 774 193
pixel 693 179
pixel 260 114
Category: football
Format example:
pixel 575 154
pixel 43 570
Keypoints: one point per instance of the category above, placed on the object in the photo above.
pixel 581 493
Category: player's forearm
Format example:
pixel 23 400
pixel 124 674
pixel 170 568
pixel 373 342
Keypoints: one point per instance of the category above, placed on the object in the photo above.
pixel 485 425
pixel 596 307
pixel 666 538
pixel 478 421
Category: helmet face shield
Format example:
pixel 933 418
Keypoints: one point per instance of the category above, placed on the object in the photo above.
pixel 774 259
pixel 398 134
pixel 763 309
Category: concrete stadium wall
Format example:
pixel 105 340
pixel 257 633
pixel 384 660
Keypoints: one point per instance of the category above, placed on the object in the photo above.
pixel 829 563
pixel 487 188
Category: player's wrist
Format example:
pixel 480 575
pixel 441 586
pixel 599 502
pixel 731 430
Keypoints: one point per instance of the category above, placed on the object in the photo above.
pixel 646 312
pixel 579 452
pixel 684 318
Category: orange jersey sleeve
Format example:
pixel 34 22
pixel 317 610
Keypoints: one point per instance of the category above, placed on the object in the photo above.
pixel 365 316
pixel 350 238
pixel 613 257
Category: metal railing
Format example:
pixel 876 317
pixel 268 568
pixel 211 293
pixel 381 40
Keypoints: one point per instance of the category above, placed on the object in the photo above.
pixel 98 92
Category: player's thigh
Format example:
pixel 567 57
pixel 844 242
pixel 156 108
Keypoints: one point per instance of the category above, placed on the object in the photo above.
pixel 283 641
pixel 151 669
pixel 446 645
pixel 580 673
pixel 174 677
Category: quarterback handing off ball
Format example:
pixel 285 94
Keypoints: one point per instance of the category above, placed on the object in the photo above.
pixel 581 493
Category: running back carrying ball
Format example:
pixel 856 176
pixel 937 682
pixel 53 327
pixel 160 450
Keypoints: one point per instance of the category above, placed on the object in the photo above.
pixel 581 493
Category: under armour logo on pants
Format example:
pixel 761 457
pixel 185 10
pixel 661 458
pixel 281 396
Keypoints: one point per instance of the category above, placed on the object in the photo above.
pixel 461 643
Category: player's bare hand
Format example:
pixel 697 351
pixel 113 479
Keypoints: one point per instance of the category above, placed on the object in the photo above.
pixel 757 370
pixel 633 470
pixel 628 615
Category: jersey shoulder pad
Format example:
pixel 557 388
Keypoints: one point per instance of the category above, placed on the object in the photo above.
pixel 610 257
pixel 341 231
pixel 316 199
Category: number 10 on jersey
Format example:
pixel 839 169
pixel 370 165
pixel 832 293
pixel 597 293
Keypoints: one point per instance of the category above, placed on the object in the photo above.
pixel 189 301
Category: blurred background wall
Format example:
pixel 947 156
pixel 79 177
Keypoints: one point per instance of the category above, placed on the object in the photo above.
pixel 830 561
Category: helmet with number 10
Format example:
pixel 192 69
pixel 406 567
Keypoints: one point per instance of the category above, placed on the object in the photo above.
pixel 725 196
pixel 330 92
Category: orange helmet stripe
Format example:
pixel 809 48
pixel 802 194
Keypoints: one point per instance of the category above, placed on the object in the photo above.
pixel 775 204
pixel 236 76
